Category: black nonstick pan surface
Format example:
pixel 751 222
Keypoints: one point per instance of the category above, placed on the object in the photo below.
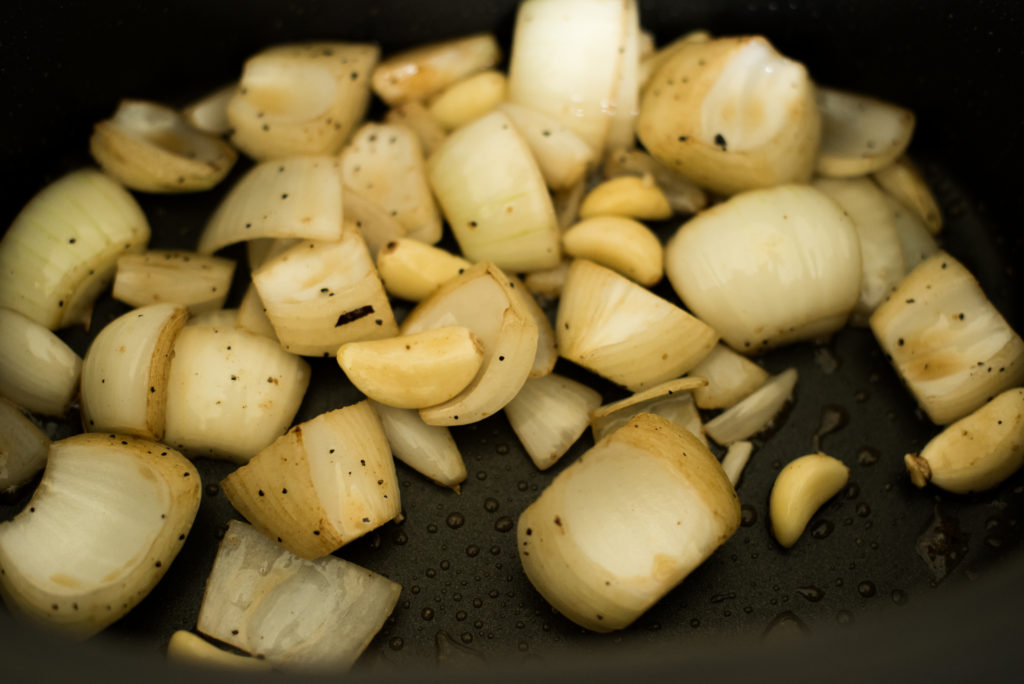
pixel 889 581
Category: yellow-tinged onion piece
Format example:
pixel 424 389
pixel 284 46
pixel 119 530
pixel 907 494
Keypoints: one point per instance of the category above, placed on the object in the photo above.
pixel 320 295
pixel 563 157
pixel 494 196
pixel 62 248
pixel 768 267
pixel 420 72
pixel 949 344
pixel 385 164
pixel 199 282
pixel 620 243
pixel 977 452
pixel 188 648
pixel 549 414
pixel 902 180
pixel 735 460
pixel 153 148
pixel 483 300
pixel 293 613
pixel 297 197
pixel 632 196
pixel 417 118
pixel 230 392
pixel 430 450
pixel 111 513
pixel 683 195
pixel 753 413
pixel 38 370
pixel 731 114
pixel 322 484
pixel 413 371
pixel 23 447
pixel 125 372
pixel 209 113
pixel 413 270
pixel 468 99
pixel 672 400
pixel 621 331
pixel 301 99
pixel 627 522
pixel 860 134
pixel 731 377
pixel 800 489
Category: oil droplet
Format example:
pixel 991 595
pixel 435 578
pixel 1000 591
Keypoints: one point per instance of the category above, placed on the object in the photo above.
pixel 455 520
pixel 431 572
pixel 826 360
pixel 415 589
pixel 461 615
pixel 942 546
pixel 396 643
pixel 861 397
pixel 503 524
pixel 479 624
pixel 522 646
pixel 466 637
pixel 695 623
pixel 522 485
pixel 863 510
pixel 832 418
pixel 400 537
pixel 784 627
pixel 427 614
pixel 899 597
pixel 866 589
pixel 445 564
pixel 748 515
pixel 481 475
pixel 822 529
pixel 212 489
pixel 811 593
pixel 844 617
pixel 852 491
pixel 472 550
pixel 867 457
pixel 450 652
pixel 490 505
pixel 718 598
pixel 477 603
pixel 432 528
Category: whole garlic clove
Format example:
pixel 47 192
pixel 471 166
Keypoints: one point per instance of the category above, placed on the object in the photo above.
pixel 800 490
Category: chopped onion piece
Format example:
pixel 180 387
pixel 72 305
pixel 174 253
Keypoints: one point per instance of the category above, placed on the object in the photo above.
pixel 735 460
pixel 124 375
pixel 417 118
pixel 109 516
pixel 494 196
pixel 385 164
pixel 252 315
pixel 186 647
pixel 946 340
pixel 620 243
pixel 298 197
pixel 209 113
pixel 301 99
pixel 631 196
pixel 683 195
pixel 768 267
pixel 916 242
pixel 230 392
pixel 38 371
pixel 428 449
pixel 562 156
pixel 261 250
pixel 902 180
pixel 548 282
pixel 623 332
pixel 650 63
pixel 626 522
pixel 626 98
pixel 731 377
pixel 61 250
pixel 547 351
pixel 152 148
pixel 294 613
pixel 420 72
pixel 671 400
pixel 567 203
pixel 219 318
pixel 320 295
pixel 322 484
pixel 413 270
pixel 860 134
pixel 378 226
pixel 199 282
pixel 23 447
pixel 754 413
pixel 468 99
pixel 549 414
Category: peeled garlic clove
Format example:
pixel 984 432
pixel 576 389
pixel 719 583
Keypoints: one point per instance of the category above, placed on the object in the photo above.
pixel 385 164
pixel 413 270
pixel 23 447
pixel 413 371
pixel 730 376
pixel 320 295
pixel 199 282
pixel 125 371
pixel 186 647
pixel 292 613
pixel 549 414
pixel 625 333
pixel 152 148
pixel 639 198
pixel 62 248
pixel 946 340
pixel 732 114
pixel 430 450
pixel 562 156
pixel 622 244
pixel 625 523
pixel 978 451
pixel 230 392
pixel 753 413
pixel 671 400
pixel 301 99
pixel 494 196
pixel 468 99
pixel 420 72
pixel 902 180
pixel 859 134
pixel 417 118
pixel 322 484
pixel 38 370
pixel 298 197
pixel 483 300
pixel 107 519
pixel 799 491
pixel 683 195
pixel 724 264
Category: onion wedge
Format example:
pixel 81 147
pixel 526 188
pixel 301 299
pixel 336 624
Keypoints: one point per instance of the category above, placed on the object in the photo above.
pixel 417 118
pixel 430 450
pixel 672 400
pixel 860 134
pixel 23 447
pixel 755 412
pixel 38 371
pixel 549 414
pixel 420 72
pixel 627 522
pixel 199 282
pixel 902 180
pixel 731 377
pixel 293 613
pixel 109 516
pixel 562 156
